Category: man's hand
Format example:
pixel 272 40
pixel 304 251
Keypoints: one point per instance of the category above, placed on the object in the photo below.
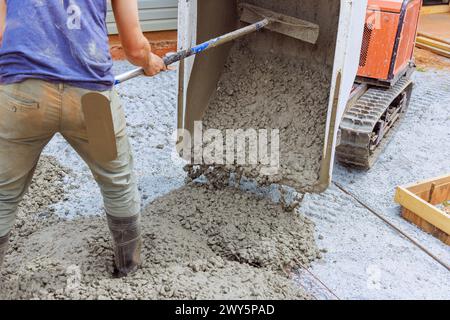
pixel 137 48
pixel 154 66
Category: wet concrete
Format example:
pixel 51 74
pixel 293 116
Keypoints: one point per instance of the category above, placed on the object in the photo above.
pixel 198 244
pixel 264 91
pixel 362 257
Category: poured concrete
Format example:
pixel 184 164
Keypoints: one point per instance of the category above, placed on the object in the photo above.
pixel 361 256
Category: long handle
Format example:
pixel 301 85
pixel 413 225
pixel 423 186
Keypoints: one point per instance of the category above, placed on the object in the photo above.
pixel 181 55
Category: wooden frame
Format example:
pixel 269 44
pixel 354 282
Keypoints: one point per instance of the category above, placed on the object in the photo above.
pixel 435 9
pixel 433 32
pixel 418 206
pixel 433 46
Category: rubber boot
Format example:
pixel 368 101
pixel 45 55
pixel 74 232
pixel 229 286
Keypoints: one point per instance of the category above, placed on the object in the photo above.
pixel 3 247
pixel 126 234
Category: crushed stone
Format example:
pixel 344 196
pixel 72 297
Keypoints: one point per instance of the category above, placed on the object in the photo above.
pixel 265 91
pixel 46 189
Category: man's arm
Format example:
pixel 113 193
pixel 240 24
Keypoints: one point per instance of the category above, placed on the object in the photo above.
pixel 2 19
pixel 136 46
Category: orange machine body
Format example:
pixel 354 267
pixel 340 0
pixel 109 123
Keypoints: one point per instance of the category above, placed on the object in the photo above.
pixel 389 38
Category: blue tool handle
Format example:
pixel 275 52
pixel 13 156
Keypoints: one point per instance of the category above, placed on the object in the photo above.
pixel 181 55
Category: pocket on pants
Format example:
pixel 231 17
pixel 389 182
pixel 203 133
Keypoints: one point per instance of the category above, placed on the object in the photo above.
pixel 16 103
pixel 20 114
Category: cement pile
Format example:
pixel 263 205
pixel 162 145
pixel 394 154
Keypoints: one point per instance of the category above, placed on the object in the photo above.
pixel 241 227
pixel 47 188
pixel 198 244
pixel 265 91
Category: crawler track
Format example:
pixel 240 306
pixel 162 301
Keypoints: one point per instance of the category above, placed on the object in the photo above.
pixel 369 123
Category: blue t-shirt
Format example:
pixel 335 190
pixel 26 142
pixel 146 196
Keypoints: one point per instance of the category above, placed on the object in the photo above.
pixel 64 41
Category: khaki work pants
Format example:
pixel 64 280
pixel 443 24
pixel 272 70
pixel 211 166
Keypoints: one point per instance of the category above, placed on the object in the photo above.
pixel 31 113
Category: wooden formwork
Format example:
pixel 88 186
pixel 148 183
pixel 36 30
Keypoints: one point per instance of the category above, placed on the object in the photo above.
pixel 434 30
pixel 443 8
pixel 419 202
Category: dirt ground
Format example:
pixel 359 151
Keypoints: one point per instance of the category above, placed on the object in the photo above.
pixel 426 60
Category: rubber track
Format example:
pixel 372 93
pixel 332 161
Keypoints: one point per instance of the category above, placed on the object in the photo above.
pixel 359 122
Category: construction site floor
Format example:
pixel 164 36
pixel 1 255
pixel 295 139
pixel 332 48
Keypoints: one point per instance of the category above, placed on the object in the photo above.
pixel 363 256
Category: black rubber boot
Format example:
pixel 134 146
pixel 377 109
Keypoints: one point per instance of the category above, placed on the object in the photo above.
pixel 126 234
pixel 3 247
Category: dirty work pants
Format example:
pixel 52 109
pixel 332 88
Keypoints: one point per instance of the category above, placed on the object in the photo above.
pixel 31 113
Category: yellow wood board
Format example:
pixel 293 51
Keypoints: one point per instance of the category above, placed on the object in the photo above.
pixel 433 43
pixel 434 32
pixel 435 9
pixel 425 185
pixel 438 189
pixel 433 37
pixel 434 50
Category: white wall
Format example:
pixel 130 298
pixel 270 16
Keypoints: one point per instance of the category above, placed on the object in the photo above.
pixel 155 15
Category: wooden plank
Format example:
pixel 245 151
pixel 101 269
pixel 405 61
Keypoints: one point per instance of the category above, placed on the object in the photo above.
pixel 418 221
pixel 435 9
pixel 437 25
pixel 287 25
pixel 425 226
pixel 424 195
pixel 423 209
pixel 440 194
pixel 434 50
pixel 433 43
pixel 424 186
pixel 432 37
pixel 418 200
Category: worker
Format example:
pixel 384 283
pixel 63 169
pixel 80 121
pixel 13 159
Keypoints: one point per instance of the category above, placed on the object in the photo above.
pixel 51 54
